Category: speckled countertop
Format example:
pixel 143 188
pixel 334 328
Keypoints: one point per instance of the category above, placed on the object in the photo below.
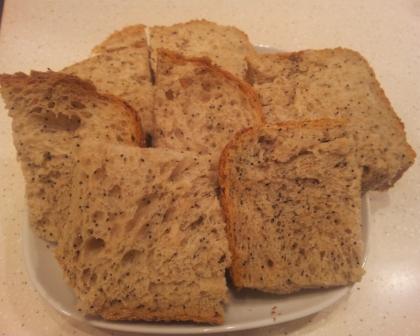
pixel 40 34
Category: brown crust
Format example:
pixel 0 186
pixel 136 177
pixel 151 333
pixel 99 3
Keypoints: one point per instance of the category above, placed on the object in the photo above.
pixel 226 204
pixel 246 88
pixel 120 313
pixel 52 78
pixel 206 22
pixel 225 183
pixel 136 30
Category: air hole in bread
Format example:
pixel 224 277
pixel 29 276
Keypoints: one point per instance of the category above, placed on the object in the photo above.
pixel 193 225
pixel 142 209
pixel 100 173
pixel 50 177
pixel 306 180
pixel 130 257
pixel 169 214
pixel 178 171
pixel 115 191
pixel 58 121
pixel 94 245
pixel 165 168
pixel 169 94
pixel 149 140
pixel 88 277
pixel 98 216
pixel 77 104
pixel 77 241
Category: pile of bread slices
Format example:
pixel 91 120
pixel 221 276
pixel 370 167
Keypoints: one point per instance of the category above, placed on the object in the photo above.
pixel 162 161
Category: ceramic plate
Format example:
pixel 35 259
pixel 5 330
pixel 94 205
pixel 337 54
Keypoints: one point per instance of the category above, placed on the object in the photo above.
pixel 246 310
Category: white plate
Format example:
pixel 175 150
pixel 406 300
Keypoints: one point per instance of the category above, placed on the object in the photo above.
pixel 246 310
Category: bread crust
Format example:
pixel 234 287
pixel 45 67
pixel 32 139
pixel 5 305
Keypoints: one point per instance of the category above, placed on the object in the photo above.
pixel 137 32
pixel 203 22
pixel 246 88
pixel 226 186
pixel 225 45
pixel 21 80
pixel 123 314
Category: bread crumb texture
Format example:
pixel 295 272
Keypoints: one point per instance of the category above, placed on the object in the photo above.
pixel 145 237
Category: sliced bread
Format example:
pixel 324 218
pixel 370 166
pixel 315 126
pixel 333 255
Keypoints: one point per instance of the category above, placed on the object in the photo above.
pixel 121 67
pixel 334 83
pixel 52 113
pixel 291 195
pixel 145 238
pixel 226 46
pixel 198 106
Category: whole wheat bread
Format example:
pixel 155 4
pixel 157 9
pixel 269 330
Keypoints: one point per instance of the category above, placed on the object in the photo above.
pixel 52 113
pixel 335 83
pixel 198 106
pixel 121 67
pixel 291 195
pixel 145 237
pixel 226 46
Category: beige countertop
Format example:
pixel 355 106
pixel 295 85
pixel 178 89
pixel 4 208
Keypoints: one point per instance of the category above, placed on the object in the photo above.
pixel 41 34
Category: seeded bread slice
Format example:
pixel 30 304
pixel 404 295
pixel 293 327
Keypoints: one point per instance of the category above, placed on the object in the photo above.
pixel 334 83
pixel 121 67
pixel 52 113
pixel 291 195
pixel 198 106
pixel 145 238
pixel 226 46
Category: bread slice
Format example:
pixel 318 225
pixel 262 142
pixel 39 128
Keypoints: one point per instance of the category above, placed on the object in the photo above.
pixel 145 239
pixel 52 113
pixel 121 67
pixel 291 195
pixel 226 46
pixel 334 83
pixel 198 106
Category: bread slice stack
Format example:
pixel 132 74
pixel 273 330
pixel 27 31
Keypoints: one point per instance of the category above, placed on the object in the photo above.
pixel 336 83
pixel 291 193
pixel 120 66
pixel 291 142
pixel 198 106
pixel 52 114
pixel 146 237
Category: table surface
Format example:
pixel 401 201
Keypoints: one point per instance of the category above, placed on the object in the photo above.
pixel 52 34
